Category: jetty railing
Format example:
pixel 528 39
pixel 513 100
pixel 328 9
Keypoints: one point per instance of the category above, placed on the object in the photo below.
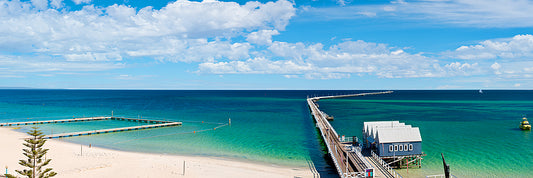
pixel 358 152
pixel 385 165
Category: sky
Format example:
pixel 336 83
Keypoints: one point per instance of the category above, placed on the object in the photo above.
pixel 282 44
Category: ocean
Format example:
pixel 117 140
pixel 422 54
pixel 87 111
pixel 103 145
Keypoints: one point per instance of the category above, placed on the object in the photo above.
pixel 478 133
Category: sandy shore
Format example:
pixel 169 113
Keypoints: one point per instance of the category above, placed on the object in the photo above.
pixel 99 162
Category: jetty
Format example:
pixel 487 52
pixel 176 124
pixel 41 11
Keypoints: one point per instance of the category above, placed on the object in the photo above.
pixel 347 158
pixel 153 124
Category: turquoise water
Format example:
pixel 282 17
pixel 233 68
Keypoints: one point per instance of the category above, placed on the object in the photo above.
pixel 478 134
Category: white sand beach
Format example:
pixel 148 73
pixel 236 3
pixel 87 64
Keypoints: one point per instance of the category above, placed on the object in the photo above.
pixel 99 162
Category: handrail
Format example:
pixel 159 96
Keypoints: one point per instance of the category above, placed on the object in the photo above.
pixel 385 165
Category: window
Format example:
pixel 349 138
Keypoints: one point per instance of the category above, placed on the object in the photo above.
pixel 405 147
pixel 391 148
pixel 410 147
pixel 395 147
pixel 400 147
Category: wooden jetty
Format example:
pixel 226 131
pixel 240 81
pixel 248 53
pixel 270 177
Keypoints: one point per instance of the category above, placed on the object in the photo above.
pixel 347 158
pixel 153 124
pixel 350 95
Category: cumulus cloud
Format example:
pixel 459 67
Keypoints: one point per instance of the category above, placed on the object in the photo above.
pixel 81 1
pixel 258 65
pixel 517 47
pixel 462 69
pixel 506 57
pixel 184 30
pixel 262 37
pixel 191 50
pixel 496 67
pixel 40 4
pixel 314 61
pixel 513 69
pixel 56 3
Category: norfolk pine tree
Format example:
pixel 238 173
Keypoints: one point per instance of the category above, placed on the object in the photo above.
pixel 34 154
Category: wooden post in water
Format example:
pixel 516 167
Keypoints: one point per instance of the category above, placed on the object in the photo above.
pixel 229 121
pixel 446 167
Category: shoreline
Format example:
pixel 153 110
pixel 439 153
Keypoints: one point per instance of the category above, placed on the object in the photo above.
pixel 74 160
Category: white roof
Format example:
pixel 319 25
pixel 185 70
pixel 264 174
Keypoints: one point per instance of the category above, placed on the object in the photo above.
pixel 368 125
pixel 398 134
pixel 374 130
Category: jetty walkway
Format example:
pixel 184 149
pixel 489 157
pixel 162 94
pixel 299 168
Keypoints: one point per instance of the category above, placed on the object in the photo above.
pixel 153 124
pixel 347 158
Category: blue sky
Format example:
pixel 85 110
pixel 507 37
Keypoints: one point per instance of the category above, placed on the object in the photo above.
pixel 320 44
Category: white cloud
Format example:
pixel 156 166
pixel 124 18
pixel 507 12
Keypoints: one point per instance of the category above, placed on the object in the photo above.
pixel 341 60
pixel 520 46
pixel 56 3
pixel 496 67
pixel 40 4
pixel 505 58
pixel 513 69
pixel 181 31
pixel 291 76
pixel 325 76
pixel 262 37
pixel 81 1
pixel 462 69
pixel 89 56
pixel 192 50
pixel 255 66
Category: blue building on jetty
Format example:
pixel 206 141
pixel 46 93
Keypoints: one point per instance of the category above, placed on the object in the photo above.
pixel 394 142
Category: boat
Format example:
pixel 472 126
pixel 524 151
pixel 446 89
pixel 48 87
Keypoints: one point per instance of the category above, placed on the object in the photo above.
pixel 480 91
pixel 524 125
